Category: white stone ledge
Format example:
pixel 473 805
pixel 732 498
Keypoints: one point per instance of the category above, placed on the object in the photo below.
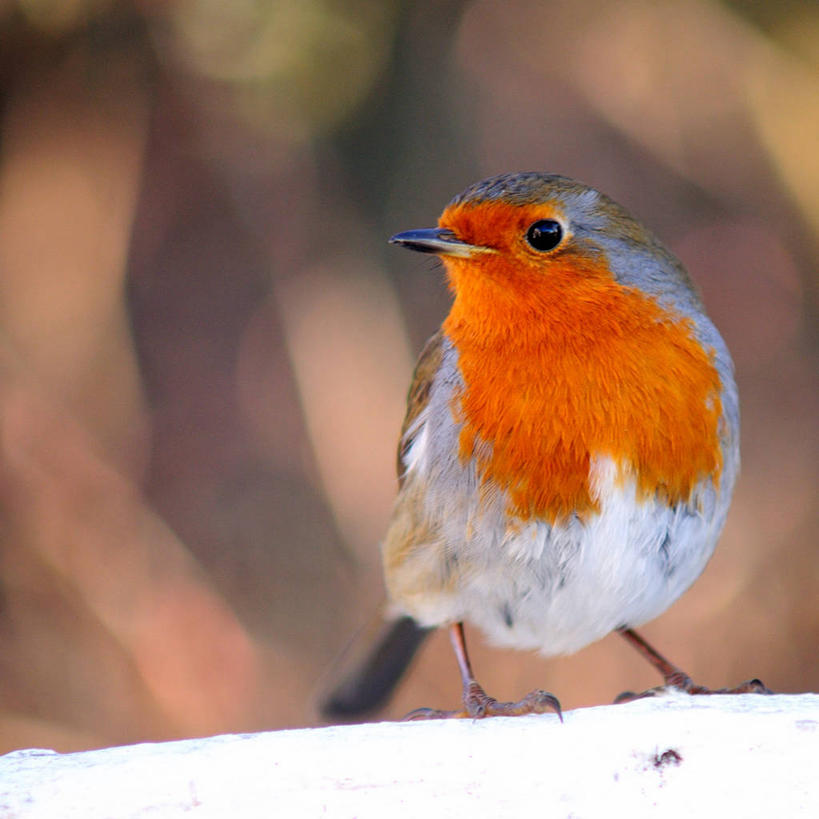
pixel 742 756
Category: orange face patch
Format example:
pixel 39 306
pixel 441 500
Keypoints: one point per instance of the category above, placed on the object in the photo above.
pixel 561 364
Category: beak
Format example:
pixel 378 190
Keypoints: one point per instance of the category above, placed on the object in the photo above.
pixel 441 241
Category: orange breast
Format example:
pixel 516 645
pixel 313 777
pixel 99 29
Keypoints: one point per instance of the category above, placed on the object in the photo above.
pixel 557 374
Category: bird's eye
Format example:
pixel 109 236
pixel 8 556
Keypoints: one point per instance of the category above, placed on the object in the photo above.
pixel 545 234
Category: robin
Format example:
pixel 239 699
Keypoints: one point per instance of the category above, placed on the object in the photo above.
pixel 570 445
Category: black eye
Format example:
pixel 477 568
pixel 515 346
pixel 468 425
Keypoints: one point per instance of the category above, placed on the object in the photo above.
pixel 545 234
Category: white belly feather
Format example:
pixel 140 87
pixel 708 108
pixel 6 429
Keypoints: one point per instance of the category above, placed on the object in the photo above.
pixel 530 585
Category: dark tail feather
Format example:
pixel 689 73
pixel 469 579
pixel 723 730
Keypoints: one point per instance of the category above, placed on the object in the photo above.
pixel 372 682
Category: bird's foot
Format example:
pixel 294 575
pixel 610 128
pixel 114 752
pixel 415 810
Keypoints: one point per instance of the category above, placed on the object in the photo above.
pixel 478 704
pixel 680 681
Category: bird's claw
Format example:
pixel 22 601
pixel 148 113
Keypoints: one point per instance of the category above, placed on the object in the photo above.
pixel 682 682
pixel 478 705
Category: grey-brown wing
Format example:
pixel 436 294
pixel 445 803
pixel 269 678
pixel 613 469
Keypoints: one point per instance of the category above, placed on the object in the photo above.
pixel 428 364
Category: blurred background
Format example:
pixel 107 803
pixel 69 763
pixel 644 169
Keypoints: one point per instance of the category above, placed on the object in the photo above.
pixel 205 342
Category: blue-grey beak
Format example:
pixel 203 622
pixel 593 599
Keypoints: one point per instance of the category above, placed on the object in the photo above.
pixel 441 241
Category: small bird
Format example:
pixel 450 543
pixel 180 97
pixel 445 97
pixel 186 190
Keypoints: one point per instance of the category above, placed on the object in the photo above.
pixel 570 445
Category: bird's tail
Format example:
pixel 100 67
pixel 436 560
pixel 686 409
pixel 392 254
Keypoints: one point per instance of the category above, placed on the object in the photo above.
pixel 371 682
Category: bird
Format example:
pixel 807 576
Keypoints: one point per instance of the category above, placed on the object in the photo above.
pixel 570 445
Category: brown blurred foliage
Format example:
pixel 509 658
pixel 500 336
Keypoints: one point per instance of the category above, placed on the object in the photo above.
pixel 205 342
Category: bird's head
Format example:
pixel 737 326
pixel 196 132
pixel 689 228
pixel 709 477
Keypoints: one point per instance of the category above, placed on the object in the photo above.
pixel 533 235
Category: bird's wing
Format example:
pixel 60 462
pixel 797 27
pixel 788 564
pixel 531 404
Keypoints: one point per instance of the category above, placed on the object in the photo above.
pixel 428 364
pixel 375 675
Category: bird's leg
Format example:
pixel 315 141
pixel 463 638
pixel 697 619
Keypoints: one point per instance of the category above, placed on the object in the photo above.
pixel 676 678
pixel 477 703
